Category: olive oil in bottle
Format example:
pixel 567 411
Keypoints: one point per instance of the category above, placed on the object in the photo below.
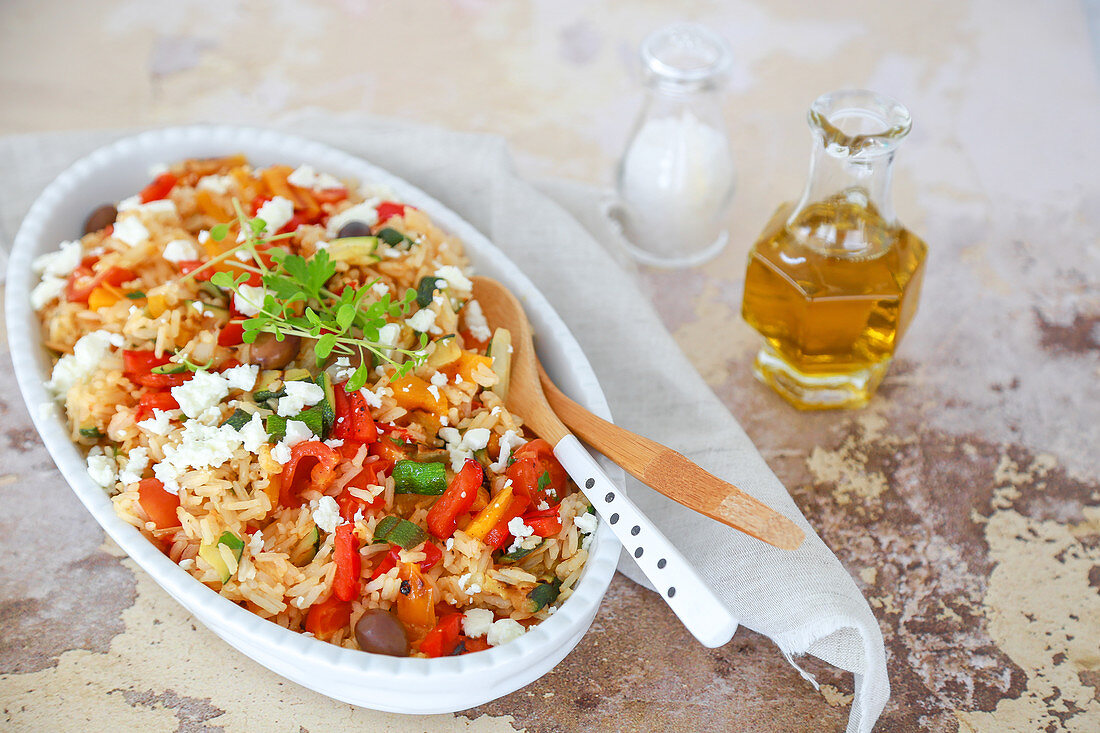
pixel 833 282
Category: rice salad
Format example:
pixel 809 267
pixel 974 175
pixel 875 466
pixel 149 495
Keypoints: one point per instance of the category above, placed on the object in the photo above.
pixel 283 381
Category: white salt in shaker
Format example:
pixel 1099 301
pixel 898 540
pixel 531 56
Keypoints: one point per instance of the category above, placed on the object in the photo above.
pixel 675 179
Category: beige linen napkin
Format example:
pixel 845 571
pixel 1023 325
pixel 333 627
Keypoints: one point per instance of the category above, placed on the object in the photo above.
pixel 804 600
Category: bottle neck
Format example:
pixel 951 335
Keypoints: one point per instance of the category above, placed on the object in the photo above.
pixel 846 209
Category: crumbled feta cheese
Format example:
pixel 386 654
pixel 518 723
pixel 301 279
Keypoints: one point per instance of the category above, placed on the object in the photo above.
pixel 387 338
pixel 242 377
pixel 203 390
pixel 422 320
pixel 136 463
pixel 199 446
pixel 504 631
pixel 276 213
pixel 444 420
pixel 380 288
pixel 455 278
pixel 180 250
pixel 474 588
pixel 327 514
pixel 215 184
pixel 296 432
pixel 49 288
pixel 254 434
pixel 157 169
pixel 198 305
pixel 87 354
pixel 434 391
pixel 476 622
pixel 476 438
pixel 508 442
pixel 334 442
pixel 365 212
pixel 343 371
pixel 459 379
pixel 203 236
pixel 242 255
pixel 299 395
pixel 102 469
pixel 461 446
pixel 159 423
pixel 156 208
pixel 305 177
pixel 130 231
pixel 129 204
pixel 59 263
pixel 373 399
pixel 449 543
pixel 518 529
pixel 543 506
pixel 249 299
pixel 586 522
pixel 281 453
pixel 475 321
pixel 439 379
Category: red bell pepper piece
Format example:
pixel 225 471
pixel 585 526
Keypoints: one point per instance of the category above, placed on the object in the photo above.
pixel 329 195
pixel 299 474
pixel 160 381
pixel 227 364
pixel 535 461
pixel 232 333
pixel 84 279
pixel 159 505
pixel 442 640
pixel 388 452
pixel 155 401
pixel 325 619
pixel 499 534
pixel 353 418
pixel 389 209
pixel 456 500
pixel 432 555
pixel 159 189
pixel 387 563
pixel 545 523
pixel 142 362
pixel 478 644
pixel 257 204
pixel 345 583
pixel 350 505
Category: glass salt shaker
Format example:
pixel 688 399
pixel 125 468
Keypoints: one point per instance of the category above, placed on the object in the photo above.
pixel 676 177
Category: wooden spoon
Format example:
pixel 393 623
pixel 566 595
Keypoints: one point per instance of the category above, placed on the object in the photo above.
pixel 670 473
pixel 672 575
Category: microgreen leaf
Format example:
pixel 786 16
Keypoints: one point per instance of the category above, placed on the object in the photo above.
pixel 324 345
pixel 218 232
pixel 358 379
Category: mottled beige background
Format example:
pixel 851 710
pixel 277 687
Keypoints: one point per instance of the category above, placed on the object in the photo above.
pixel 965 499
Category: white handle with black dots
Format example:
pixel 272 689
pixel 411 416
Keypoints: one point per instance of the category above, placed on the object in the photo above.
pixel 673 577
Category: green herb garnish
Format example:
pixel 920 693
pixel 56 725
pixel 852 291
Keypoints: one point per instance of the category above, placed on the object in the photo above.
pixel 135 295
pixel 92 432
pixel 295 302
pixel 544 480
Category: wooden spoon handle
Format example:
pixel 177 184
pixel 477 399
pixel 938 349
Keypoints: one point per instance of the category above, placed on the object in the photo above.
pixel 670 473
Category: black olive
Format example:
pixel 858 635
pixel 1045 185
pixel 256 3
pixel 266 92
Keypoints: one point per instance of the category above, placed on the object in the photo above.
pixel 354 229
pixel 380 632
pixel 100 218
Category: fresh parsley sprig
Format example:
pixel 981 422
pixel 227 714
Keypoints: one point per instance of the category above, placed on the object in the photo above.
pixel 294 301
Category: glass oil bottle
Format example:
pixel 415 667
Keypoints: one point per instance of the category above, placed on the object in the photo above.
pixel 833 281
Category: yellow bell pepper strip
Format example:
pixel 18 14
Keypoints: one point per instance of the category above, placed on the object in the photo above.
pixel 468 362
pixel 103 296
pixel 490 515
pixel 412 393
pixel 416 602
